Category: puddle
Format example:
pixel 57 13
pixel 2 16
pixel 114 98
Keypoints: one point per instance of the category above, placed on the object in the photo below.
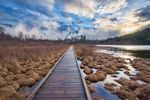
pixel 79 63
pixel 109 79
pixel 122 75
pixel 132 70
pixel 94 70
pixel 140 82
pixel 102 92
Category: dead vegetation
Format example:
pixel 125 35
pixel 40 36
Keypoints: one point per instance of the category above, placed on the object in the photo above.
pixel 106 64
pixel 22 65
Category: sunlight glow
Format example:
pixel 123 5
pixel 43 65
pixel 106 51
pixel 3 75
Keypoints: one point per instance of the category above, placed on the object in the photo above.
pixel 129 47
pixel 130 29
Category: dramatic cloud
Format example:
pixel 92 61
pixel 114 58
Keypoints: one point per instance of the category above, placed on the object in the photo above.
pixel 111 6
pixel 144 13
pixel 50 31
pixel 42 6
pixel 54 19
pixel 80 7
pixel 90 7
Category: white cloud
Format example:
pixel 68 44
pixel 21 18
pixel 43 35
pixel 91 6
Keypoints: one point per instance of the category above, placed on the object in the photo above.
pixel 80 7
pixel 14 31
pixel 50 33
pixel 111 6
pixel 47 3
pixel 126 24
pixel 50 24
pixel 90 7
pixel 43 3
pixel 125 20
pixel 98 34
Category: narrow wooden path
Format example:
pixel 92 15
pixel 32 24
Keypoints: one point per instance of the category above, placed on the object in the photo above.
pixel 65 83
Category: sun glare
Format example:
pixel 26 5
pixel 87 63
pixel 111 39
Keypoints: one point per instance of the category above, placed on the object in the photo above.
pixel 130 29
pixel 128 47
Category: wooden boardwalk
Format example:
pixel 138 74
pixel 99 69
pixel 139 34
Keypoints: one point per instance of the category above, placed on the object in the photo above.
pixel 65 83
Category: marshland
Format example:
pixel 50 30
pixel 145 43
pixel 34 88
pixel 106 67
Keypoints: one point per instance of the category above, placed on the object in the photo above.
pixel 22 65
pixel 74 49
pixel 113 76
pixel 111 72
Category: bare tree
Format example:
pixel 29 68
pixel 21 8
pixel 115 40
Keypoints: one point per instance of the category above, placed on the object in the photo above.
pixel 26 37
pixel 33 37
pixel 20 35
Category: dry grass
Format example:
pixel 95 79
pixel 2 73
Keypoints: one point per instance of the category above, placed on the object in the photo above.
pixel 108 64
pixel 22 65
pixel 84 50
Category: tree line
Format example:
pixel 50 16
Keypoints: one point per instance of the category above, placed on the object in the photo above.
pixel 139 37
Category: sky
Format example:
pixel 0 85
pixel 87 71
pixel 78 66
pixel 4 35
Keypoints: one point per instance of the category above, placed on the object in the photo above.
pixel 60 19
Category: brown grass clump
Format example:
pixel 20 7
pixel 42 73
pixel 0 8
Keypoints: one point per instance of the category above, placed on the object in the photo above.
pixel 127 73
pixel 143 76
pixel 91 89
pixel 22 65
pixel 87 70
pixel 144 67
pixel 98 99
pixel 107 64
pixel 143 92
pixel 82 66
pixel 108 70
pixel 128 84
pixel 126 95
pixel 88 82
pixel 98 76
pixel 109 86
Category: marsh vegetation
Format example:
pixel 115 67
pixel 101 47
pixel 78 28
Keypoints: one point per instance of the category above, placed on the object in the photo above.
pixel 127 78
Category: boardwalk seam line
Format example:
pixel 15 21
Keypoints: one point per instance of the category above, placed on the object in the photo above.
pixel 88 95
pixel 33 93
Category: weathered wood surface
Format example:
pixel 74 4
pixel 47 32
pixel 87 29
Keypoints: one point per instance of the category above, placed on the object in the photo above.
pixel 65 83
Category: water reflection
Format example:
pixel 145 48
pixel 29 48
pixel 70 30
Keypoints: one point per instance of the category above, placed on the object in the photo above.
pixel 132 70
pixel 116 53
pixel 100 91
pixel 122 75
pixel 110 79
pixel 127 51
pixel 103 93
pixel 131 52
pixel 129 47
pixel 140 82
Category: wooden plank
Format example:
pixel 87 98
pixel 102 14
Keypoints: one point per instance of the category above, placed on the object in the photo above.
pixel 65 83
pixel 62 85
pixel 46 89
pixel 39 98
pixel 88 95
pixel 65 95
pixel 33 93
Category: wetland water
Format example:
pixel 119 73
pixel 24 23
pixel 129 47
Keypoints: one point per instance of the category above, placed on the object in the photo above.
pixel 126 51
pixel 123 51
pixel 100 91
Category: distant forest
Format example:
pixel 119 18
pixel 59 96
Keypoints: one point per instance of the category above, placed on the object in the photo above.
pixel 140 37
